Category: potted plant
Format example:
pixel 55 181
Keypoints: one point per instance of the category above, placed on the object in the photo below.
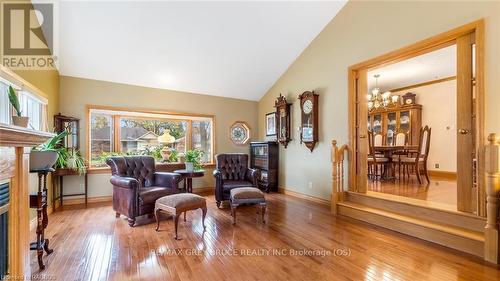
pixel 193 160
pixel 18 119
pixel 74 160
pixel 47 154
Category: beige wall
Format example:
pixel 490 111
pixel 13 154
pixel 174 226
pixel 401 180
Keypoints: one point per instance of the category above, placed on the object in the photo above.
pixel 363 30
pixel 439 107
pixel 76 93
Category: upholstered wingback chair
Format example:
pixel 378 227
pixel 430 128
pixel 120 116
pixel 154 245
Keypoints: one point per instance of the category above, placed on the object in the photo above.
pixel 136 185
pixel 232 171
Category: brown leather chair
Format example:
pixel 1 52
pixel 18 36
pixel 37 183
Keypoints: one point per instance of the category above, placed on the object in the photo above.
pixel 136 185
pixel 231 172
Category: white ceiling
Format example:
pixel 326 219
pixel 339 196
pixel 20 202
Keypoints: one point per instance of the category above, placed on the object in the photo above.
pixel 231 49
pixel 435 65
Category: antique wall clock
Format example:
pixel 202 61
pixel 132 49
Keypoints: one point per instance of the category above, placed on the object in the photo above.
pixel 409 98
pixel 239 133
pixel 283 120
pixel 309 119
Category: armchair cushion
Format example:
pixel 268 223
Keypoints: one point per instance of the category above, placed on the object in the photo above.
pixel 229 184
pixel 149 195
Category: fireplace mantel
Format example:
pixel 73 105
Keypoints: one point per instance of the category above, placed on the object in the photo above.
pixel 14 163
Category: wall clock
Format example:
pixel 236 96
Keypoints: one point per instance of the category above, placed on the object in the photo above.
pixel 239 133
pixel 309 119
pixel 409 98
pixel 283 120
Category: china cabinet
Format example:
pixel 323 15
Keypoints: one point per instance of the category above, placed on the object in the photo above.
pixel 386 121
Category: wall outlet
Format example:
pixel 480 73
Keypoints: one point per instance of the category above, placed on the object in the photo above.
pixel 436 165
pixel 310 185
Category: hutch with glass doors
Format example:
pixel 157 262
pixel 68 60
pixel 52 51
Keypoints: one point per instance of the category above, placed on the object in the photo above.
pixel 388 120
pixel 264 156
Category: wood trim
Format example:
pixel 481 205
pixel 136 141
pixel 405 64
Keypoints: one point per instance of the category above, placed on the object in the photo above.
pixel 14 78
pixel 109 198
pixel 310 198
pixel 421 47
pixel 424 46
pixel 160 167
pixel 14 136
pixel 140 110
pixel 424 84
pixel 116 131
pixel 443 174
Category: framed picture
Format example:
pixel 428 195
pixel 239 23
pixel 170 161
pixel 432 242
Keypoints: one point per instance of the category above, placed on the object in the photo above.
pixel 271 124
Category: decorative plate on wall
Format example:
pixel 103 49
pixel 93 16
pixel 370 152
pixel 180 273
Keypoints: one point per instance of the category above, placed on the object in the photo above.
pixel 239 133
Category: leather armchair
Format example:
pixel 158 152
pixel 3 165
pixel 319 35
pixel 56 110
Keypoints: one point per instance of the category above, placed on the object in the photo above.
pixel 231 172
pixel 136 185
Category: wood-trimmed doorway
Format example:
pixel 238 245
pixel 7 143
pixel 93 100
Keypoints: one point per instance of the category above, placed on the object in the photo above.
pixel 467 200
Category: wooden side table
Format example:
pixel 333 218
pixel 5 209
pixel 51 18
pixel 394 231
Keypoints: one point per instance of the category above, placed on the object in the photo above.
pixel 188 176
pixel 39 202
pixel 58 176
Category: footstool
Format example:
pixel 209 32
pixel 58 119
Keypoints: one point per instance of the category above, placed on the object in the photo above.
pixel 176 204
pixel 247 195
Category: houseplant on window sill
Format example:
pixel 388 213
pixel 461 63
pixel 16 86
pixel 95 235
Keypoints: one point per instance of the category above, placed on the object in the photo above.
pixel 193 160
pixel 17 120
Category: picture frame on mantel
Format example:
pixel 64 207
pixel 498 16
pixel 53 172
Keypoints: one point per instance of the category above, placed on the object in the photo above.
pixel 271 124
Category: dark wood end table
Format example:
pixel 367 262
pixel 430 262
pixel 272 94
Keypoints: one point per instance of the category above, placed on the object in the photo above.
pixel 188 176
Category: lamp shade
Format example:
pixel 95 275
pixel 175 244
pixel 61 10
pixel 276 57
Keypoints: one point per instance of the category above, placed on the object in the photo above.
pixel 166 137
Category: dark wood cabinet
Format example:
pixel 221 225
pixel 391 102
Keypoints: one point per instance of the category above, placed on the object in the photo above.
pixel 264 156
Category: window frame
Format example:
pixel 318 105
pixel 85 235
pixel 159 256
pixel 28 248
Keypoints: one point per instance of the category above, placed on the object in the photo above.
pixel 27 89
pixel 116 114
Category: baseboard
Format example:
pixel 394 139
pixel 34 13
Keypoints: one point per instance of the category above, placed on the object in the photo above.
pixel 77 201
pixel 304 196
pixel 102 199
pixel 443 174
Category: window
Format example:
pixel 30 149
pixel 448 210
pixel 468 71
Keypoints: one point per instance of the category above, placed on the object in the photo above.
pixel 31 105
pixel 115 132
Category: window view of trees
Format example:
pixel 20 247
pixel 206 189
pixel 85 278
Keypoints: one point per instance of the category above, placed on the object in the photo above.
pixel 139 136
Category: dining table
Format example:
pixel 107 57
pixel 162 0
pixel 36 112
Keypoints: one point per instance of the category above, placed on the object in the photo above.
pixel 388 151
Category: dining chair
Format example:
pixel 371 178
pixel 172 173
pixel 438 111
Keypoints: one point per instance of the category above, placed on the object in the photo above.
pixel 375 160
pixel 400 139
pixel 378 139
pixel 421 157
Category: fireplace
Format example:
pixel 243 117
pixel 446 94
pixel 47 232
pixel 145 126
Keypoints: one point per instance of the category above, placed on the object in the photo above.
pixel 4 245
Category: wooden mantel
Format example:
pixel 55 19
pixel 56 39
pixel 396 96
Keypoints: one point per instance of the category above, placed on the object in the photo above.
pixel 15 144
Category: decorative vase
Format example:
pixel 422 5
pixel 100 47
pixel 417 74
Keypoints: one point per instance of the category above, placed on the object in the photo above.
pixel 42 159
pixel 165 154
pixel 20 121
pixel 189 166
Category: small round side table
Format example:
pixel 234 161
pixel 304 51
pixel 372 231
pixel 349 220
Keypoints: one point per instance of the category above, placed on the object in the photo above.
pixel 188 178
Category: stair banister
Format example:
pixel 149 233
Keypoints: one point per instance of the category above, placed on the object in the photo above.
pixel 491 232
pixel 338 189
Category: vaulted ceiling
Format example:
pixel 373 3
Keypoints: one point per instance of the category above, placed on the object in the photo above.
pixel 231 49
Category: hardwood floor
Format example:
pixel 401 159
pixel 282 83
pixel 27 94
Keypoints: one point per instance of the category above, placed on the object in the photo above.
pixel 440 190
pixel 91 244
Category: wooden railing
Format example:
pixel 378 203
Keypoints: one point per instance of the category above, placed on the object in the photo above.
pixel 337 174
pixel 491 232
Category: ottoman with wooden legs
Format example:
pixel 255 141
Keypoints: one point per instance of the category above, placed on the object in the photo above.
pixel 179 203
pixel 247 195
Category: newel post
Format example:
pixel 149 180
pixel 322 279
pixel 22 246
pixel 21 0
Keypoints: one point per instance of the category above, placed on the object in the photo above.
pixel 491 232
pixel 335 195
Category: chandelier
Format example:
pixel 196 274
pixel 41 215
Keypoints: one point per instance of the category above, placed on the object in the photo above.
pixel 377 100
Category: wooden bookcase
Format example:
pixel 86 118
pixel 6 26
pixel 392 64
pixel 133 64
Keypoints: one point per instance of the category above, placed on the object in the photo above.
pixel 264 156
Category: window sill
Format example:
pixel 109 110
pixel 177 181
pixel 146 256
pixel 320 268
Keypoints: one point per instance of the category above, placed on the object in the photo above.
pixel 161 167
